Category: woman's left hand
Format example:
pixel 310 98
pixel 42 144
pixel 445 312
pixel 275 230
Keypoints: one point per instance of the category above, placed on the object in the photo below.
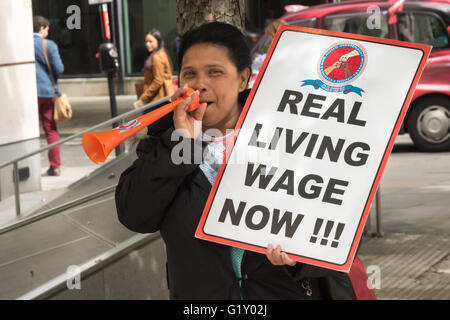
pixel 140 103
pixel 278 258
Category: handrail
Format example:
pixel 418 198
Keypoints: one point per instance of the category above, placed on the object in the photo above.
pixel 107 122
pixel 62 207
pixel 59 283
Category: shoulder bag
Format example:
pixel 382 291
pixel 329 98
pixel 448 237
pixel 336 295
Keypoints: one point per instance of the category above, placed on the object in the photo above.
pixel 63 109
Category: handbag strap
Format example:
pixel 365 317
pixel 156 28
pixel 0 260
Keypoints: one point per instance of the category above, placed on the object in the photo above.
pixel 44 44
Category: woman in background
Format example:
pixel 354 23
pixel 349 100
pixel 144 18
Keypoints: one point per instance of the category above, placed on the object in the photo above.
pixel 157 70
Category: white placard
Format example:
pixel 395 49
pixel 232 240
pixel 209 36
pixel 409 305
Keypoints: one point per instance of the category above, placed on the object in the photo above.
pixel 312 142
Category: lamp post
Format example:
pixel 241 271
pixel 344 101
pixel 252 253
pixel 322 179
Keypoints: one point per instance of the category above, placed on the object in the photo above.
pixel 108 59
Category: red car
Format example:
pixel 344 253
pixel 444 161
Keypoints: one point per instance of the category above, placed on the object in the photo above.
pixel 428 117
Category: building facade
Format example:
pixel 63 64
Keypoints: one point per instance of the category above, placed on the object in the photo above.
pixel 19 132
pixel 75 26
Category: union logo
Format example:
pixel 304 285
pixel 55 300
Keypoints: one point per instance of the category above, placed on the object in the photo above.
pixel 128 125
pixel 341 64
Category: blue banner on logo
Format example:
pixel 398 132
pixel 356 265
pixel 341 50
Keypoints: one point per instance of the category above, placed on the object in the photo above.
pixel 345 89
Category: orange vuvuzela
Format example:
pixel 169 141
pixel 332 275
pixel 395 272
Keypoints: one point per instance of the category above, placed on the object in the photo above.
pixel 98 145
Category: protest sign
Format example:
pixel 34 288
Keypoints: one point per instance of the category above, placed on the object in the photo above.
pixel 311 144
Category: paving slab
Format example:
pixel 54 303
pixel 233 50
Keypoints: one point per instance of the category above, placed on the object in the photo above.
pixel 408 266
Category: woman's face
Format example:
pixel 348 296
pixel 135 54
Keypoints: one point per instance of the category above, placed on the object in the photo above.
pixel 151 43
pixel 44 31
pixel 207 68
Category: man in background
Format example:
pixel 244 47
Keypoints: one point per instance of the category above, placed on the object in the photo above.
pixel 46 91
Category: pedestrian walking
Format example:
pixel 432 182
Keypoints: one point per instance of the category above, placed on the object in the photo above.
pixel 46 91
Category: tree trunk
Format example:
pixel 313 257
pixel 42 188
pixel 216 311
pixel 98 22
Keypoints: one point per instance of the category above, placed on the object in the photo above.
pixel 193 13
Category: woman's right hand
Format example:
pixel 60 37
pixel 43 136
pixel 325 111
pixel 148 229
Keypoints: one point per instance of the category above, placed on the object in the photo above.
pixel 189 123
pixel 277 257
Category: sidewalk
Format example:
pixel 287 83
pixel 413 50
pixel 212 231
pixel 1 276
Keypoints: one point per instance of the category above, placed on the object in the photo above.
pixel 408 266
pixel 412 259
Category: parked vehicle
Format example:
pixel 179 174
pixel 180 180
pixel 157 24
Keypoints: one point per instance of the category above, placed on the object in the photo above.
pixel 428 118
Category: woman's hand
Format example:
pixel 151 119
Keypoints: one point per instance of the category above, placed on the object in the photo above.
pixel 139 103
pixel 346 68
pixel 189 123
pixel 335 65
pixel 278 258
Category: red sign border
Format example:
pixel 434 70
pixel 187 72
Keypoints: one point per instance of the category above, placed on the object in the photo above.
pixel 345 267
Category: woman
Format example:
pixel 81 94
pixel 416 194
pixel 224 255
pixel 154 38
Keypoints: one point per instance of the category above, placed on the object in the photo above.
pixel 157 194
pixel 157 70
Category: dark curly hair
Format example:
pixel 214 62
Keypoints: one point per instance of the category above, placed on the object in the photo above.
pixel 225 35
pixel 222 34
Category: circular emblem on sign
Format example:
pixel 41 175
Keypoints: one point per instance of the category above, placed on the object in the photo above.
pixel 342 63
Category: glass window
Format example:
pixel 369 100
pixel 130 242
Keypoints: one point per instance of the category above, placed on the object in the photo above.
pixel 77 47
pixel 422 28
pixel 309 23
pixel 260 50
pixel 263 46
pixel 140 16
pixel 357 24
pixel 259 13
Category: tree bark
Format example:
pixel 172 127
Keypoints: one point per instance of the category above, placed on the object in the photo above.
pixel 193 13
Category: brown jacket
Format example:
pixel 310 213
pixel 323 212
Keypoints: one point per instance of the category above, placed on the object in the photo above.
pixel 155 77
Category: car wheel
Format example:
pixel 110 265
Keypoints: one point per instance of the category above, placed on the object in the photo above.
pixel 429 124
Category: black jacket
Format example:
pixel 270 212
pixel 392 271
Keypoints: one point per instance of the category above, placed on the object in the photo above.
pixel 155 194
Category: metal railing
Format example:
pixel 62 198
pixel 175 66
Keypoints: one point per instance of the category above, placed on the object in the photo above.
pixel 58 284
pixel 49 212
pixel 15 162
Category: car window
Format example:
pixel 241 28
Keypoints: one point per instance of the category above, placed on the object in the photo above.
pixel 309 23
pixel 358 24
pixel 422 28
pixel 264 44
